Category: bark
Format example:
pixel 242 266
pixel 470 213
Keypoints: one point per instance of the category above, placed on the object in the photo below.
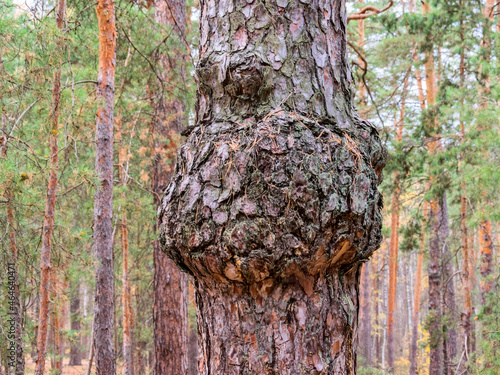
pixel 394 241
pixel 435 314
pixel 128 368
pixel 273 204
pixel 170 284
pixel 466 276
pixel 449 305
pixel 486 246
pixel 48 224
pixel 15 308
pixel 75 354
pixel 56 319
pixel 103 237
pixel 416 303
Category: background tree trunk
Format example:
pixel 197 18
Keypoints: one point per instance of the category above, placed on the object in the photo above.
pixel 273 204
pixel 9 195
pixel 48 224
pixel 75 354
pixel 170 284
pixel 103 210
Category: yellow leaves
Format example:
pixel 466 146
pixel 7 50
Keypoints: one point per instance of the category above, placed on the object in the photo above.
pixel 54 131
pixel 82 233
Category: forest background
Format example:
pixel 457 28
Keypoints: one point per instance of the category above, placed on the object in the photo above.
pixel 418 67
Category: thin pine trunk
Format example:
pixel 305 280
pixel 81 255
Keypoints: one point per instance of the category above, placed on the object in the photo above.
pixel 416 302
pixel 128 368
pixel 48 225
pixel 394 240
pixel 20 364
pixel 56 319
pixel 170 284
pixel 103 210
pixel 486 249
pixel 75 354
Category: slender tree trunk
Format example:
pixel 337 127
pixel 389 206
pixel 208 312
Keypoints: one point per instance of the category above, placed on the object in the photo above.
pixel 17 313
pixel 56 319
pixel 276 277
pixel 485 232
pixel 75 354
pixel 365 315
pixel 416 302
pixel 128 368
pixel 435 314
pixel 103 210
pixel 170 284
pixel 449 306
pixel 394 240
pixel 48 224
pixel 466 277
pixel 486 246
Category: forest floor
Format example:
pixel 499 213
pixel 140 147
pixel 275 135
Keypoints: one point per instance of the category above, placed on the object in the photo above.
pixel 67 370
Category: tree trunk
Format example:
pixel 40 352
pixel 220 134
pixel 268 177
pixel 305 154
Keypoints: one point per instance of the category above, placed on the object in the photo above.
pixel 48 224
pixel 273 204
pixel 103 237
pixel 75 354
pixel 170 284
pixel 466 276
pixel 416 302
pixel 56 319
pixel 128 368
pixel 365 315
pixel 486 246
pixel 394 241
pixel 15 308
pixel 449 306
pixel 434 270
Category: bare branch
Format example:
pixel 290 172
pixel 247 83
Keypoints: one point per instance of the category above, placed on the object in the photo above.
pixel 368 11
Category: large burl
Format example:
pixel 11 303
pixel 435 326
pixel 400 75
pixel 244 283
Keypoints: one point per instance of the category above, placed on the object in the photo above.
pixel 273 205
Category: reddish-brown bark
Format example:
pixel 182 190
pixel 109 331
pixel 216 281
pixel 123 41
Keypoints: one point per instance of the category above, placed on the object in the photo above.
pixel 128 367
pixel 486 246
pixel 103 209
pixel 170 284
pixel 394 240
pixel 273 204
pixel 48 224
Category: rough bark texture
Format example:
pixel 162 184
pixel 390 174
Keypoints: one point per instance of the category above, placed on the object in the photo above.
pixel 171 285
pixel 103 239
pixel 273 204
pixel 75 354
pixel 17 313
pixel 48 224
